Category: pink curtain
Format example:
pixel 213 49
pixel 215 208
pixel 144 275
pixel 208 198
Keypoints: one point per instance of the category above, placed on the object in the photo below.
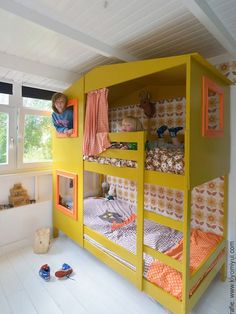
pixel 96 123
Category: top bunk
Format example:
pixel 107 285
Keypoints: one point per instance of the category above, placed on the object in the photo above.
pixel 133 164
pixel 188 78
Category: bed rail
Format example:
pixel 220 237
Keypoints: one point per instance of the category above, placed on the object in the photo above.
pixel 135 155
pixel 206 263
pixel 163 220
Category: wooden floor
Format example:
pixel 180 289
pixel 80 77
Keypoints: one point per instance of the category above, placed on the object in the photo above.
pixel 95 289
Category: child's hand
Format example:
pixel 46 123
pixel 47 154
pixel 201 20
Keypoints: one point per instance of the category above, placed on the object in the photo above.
pixel 69 132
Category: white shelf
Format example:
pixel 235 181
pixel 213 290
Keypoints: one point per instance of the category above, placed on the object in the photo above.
pixel 37 183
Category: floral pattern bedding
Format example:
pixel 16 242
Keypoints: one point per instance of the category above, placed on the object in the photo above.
pixel 170 160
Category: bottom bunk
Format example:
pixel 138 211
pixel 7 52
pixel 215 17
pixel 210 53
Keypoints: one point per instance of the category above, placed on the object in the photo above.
pixel 116 220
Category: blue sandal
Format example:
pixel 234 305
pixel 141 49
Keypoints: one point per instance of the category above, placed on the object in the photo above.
pixel 161 130
pixel 173 131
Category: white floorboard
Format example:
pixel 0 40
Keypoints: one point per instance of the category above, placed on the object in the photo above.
pixel 93 288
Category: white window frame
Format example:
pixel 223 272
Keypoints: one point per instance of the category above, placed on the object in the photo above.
pixel 11 137
pixel 15 145
pixel 20 149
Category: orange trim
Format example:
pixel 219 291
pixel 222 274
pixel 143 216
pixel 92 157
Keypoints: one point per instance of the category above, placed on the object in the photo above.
pixel 69 212
pixel 124 223
pixel 74 103
pixel 207 85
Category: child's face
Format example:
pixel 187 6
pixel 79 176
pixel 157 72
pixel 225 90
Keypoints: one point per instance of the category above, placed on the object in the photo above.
pixel 60 104
pixel 127 126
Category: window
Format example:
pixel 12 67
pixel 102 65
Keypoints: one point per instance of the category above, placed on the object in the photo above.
pixel 4 99
pixel 4 123
pixel 25 127
pixel 66 193
pixel 212 108
pixel 37 138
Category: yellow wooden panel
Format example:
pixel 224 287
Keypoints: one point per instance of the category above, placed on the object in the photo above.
pixel 112 262
pixel 121 154
pixel 170 302
pixel 166 221
pixel 117 97
pixel 119 250
pixel 67 156
pixel 171 180
pixel 109 75
pixel 208 157
pixel 205 264
pixel 205 283
pixel 163 258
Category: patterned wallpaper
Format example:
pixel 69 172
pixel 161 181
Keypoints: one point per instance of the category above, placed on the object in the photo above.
pixel 213 111
pixel 168 111
pixel 207 201
pixel 228 69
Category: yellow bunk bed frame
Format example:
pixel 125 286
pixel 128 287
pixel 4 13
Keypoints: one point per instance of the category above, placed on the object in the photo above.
pixel 205 159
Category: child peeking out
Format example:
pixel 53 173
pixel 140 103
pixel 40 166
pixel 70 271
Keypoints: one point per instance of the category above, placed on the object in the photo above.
pixel 131 124
pixel 62 116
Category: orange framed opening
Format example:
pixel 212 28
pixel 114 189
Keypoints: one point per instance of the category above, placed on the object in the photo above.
pixel 74 104
pixel 66 193
pixel 212 109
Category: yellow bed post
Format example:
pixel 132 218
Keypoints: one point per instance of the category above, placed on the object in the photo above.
pixel 223 271
pixel 186 251
pixel 68 156
pixel 140 209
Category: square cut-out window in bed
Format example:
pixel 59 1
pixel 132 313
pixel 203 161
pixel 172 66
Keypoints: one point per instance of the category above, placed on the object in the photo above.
pixel 73 104
pixel 212 108
pixel 66 193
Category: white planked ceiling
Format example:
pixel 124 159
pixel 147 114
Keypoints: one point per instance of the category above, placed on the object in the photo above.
pixel 50 43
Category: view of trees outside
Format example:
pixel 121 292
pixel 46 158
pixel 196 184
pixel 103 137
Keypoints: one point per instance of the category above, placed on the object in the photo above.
pixel 37 132
pixel 38 104
pixel 37 139
pixel 37 145
pixel 3 137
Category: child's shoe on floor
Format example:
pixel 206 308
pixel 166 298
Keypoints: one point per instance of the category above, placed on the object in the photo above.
pixel 65 271
pixel 44 272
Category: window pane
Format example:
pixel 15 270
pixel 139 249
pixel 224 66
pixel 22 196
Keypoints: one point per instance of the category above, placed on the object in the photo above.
pixel 37 139
pixel 4 99
pixel 39 104
pixel 3 138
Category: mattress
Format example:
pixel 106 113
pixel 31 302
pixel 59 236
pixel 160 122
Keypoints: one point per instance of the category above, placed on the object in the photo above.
pixel 163 159
pixel 112 220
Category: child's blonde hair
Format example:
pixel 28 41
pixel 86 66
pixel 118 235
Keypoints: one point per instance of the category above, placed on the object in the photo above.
pixel 136 123
pixel 55 97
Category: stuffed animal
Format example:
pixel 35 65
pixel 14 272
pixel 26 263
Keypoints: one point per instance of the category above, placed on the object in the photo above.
pixel 105 189
pixel 111 192
pixel 145 103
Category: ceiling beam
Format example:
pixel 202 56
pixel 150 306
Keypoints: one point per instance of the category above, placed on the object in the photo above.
pixel 26 66
pixel 203 12
pixel 63 29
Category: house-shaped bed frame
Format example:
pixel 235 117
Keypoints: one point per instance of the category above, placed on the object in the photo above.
pixel 206 156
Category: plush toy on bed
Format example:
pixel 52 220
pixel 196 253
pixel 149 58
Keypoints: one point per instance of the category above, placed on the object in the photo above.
pixel 105 189
pixel 112 192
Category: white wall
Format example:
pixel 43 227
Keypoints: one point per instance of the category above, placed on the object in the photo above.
pixel 18 224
